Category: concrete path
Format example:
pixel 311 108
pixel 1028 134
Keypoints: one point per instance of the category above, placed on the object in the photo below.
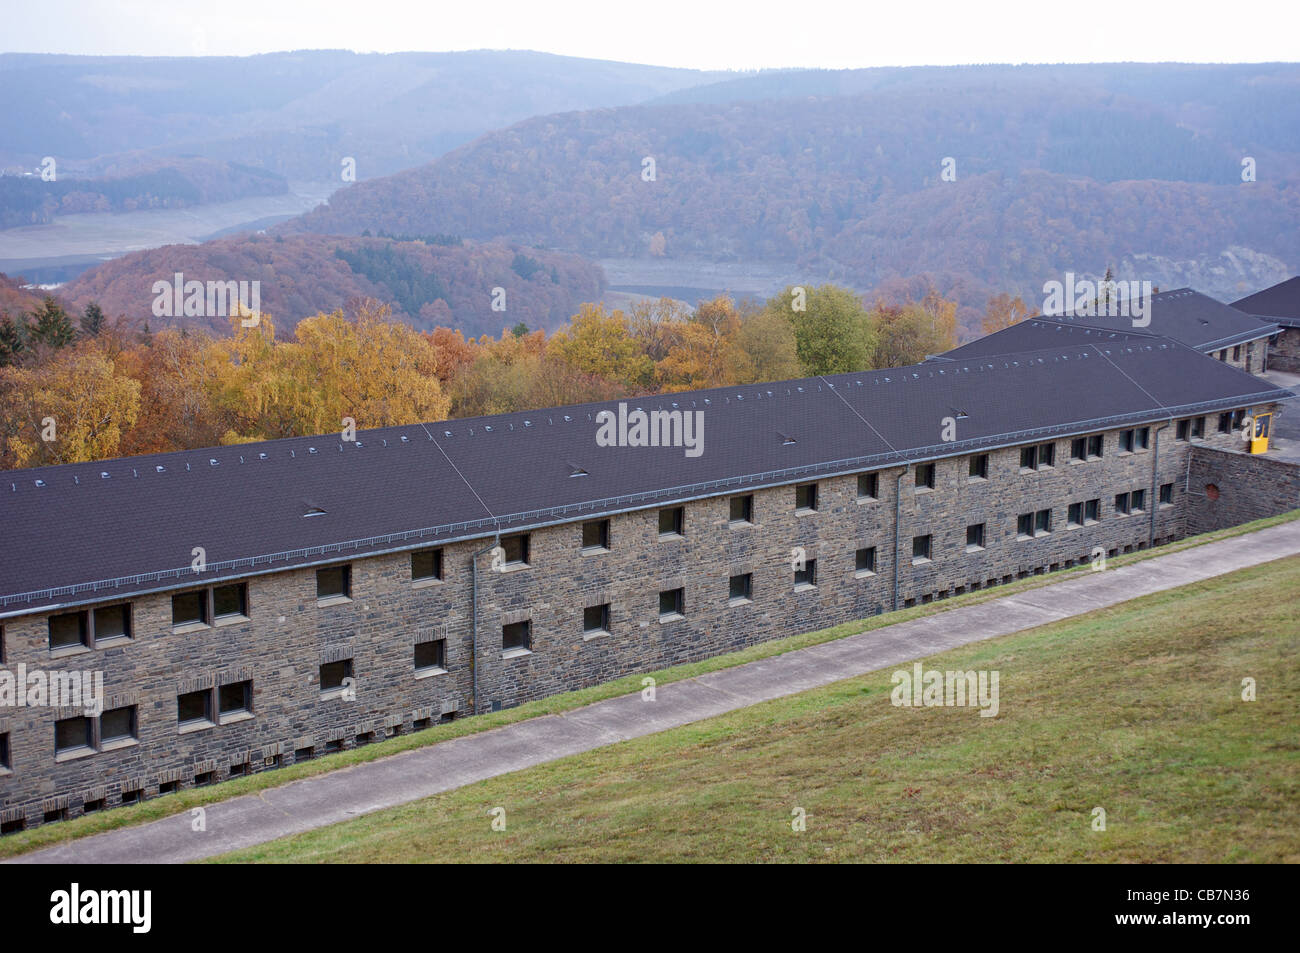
pixel 350 792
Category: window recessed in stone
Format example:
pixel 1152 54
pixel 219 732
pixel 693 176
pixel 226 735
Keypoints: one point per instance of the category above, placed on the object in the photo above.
pixel 1078 449
pixel 595 619
pixel 741 588
pixel 868 486
pixel 741 508
pixel 190 607
pixel 974 537
pixel 73 734
pixel 431 656
pixel 334 582
pixel 921 548
pixel 595 535
pixel 925 476
pixel 230 601
pixel 235 699
pixel 672 603
pixel 1166 493
pixel 112 622
pixel 426 564
pixel 517 636
pixel 69 629
pixel 805 497
pixel 5 763
pixel 979 467
pixel 1138 500
pixel 194 708
pixel 1095 446
pixel 334 675
pixel 1122 503
pixel 516 549
pixel 865 560
pixel 1091 511
pixel 806 576
pixel 119 724
pixel 671 521
pixel 1074 515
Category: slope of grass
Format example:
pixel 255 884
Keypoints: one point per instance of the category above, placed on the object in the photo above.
pixel 155 808
pixel 1136 709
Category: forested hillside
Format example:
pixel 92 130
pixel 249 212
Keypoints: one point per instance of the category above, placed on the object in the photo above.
pixel 1051 171
pixel 426 283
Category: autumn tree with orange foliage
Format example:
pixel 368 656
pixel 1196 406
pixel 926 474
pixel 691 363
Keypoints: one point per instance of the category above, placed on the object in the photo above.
pixel 1002 312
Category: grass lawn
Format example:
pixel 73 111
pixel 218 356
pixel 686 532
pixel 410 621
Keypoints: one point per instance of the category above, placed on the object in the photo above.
pixel 1136 709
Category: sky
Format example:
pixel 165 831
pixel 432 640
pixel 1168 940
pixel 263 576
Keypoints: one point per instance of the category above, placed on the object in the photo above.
pixel 702 34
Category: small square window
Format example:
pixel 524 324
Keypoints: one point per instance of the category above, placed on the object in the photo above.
pixel 1236 352
pixel 1092 511
pixel 979 467
pixel 741 588
pixel 1166 493
pixel 864 560
pixel 334 675
pixel 741 509
pixel 119 724
pixel 516 549
pixel 807 576
pixel 1025 525
pixel 1121 503
pixel 1225 422
pixel 1047 455
pixel 1078 449
pixel 1182 429
pixel 431 656
pixel 194 708
pixel 595 619
pixel 230 602
pixel 595 535
pixel 671 521
pixel 426 564
pixel 517 636
pixel 1142 438
pixel 925 476
pixel 1029 458
pixel 334 582
pixel 1126 441
pixel 920 549
pixel 235 699
pixel 868 486
pixel 73 734
pixel 1095 445
pixel 805 497
pixel 1198 427
pixel 5 763
pixel 112 622
pixel 672 603
pixel 1042 522
pixel 1074 516
pixel 190 607
pixel 68 629
pixel 1138 500
pixel 974 537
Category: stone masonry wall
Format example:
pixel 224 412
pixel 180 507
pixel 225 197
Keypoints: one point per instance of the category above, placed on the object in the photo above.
pixel 1227 487
pixel 287 634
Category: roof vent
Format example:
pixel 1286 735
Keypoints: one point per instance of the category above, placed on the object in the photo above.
pixel 575 470
pixel 528 423
pixel 786 439
pixel 261 456
pixel 40 483
pixel 446 433
pixel 311 509
pixel 160 469
pixel 487 427
pixel 311 450
pixel 567 418
pixel 405 439
pixel 103 474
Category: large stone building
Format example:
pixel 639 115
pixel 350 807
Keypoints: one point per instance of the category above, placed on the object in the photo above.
pixel 250 606
pixel 1278 306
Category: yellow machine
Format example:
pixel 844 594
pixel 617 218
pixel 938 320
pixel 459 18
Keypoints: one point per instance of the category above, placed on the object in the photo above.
pixel 1259 432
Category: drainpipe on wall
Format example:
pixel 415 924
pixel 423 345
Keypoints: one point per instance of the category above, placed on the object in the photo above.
pixel 898 522
pixel 473 563
pixel 1155 499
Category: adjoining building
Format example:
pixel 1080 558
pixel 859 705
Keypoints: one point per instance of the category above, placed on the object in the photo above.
pixel 254 605
pixel 1278 306
pixel 1183 315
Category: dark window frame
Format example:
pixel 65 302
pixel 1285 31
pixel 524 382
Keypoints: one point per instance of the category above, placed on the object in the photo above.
pixel 344 591
pixel 601 533
pixel 978 468
pixel 922 548
pixel 602 620
pixel 746 594
pixel 677 603
pixel 745 503
pixel 517 637
pixel 805 497
pixel 435 565
pixel 676 522
pixel 439 663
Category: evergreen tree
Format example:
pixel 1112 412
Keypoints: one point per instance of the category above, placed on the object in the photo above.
pixel 51 326
pixel 11 340
pixel 92 319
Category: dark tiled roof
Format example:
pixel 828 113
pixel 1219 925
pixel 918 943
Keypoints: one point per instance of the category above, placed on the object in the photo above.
pixel 1183 315
pixel 1279 304
pixel 402 487
pixel 1035 334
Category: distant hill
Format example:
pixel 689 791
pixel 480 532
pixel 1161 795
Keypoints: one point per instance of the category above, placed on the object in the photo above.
pixel 297 114
pixel 160 183
pixel 1057 168
pixel 426 284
